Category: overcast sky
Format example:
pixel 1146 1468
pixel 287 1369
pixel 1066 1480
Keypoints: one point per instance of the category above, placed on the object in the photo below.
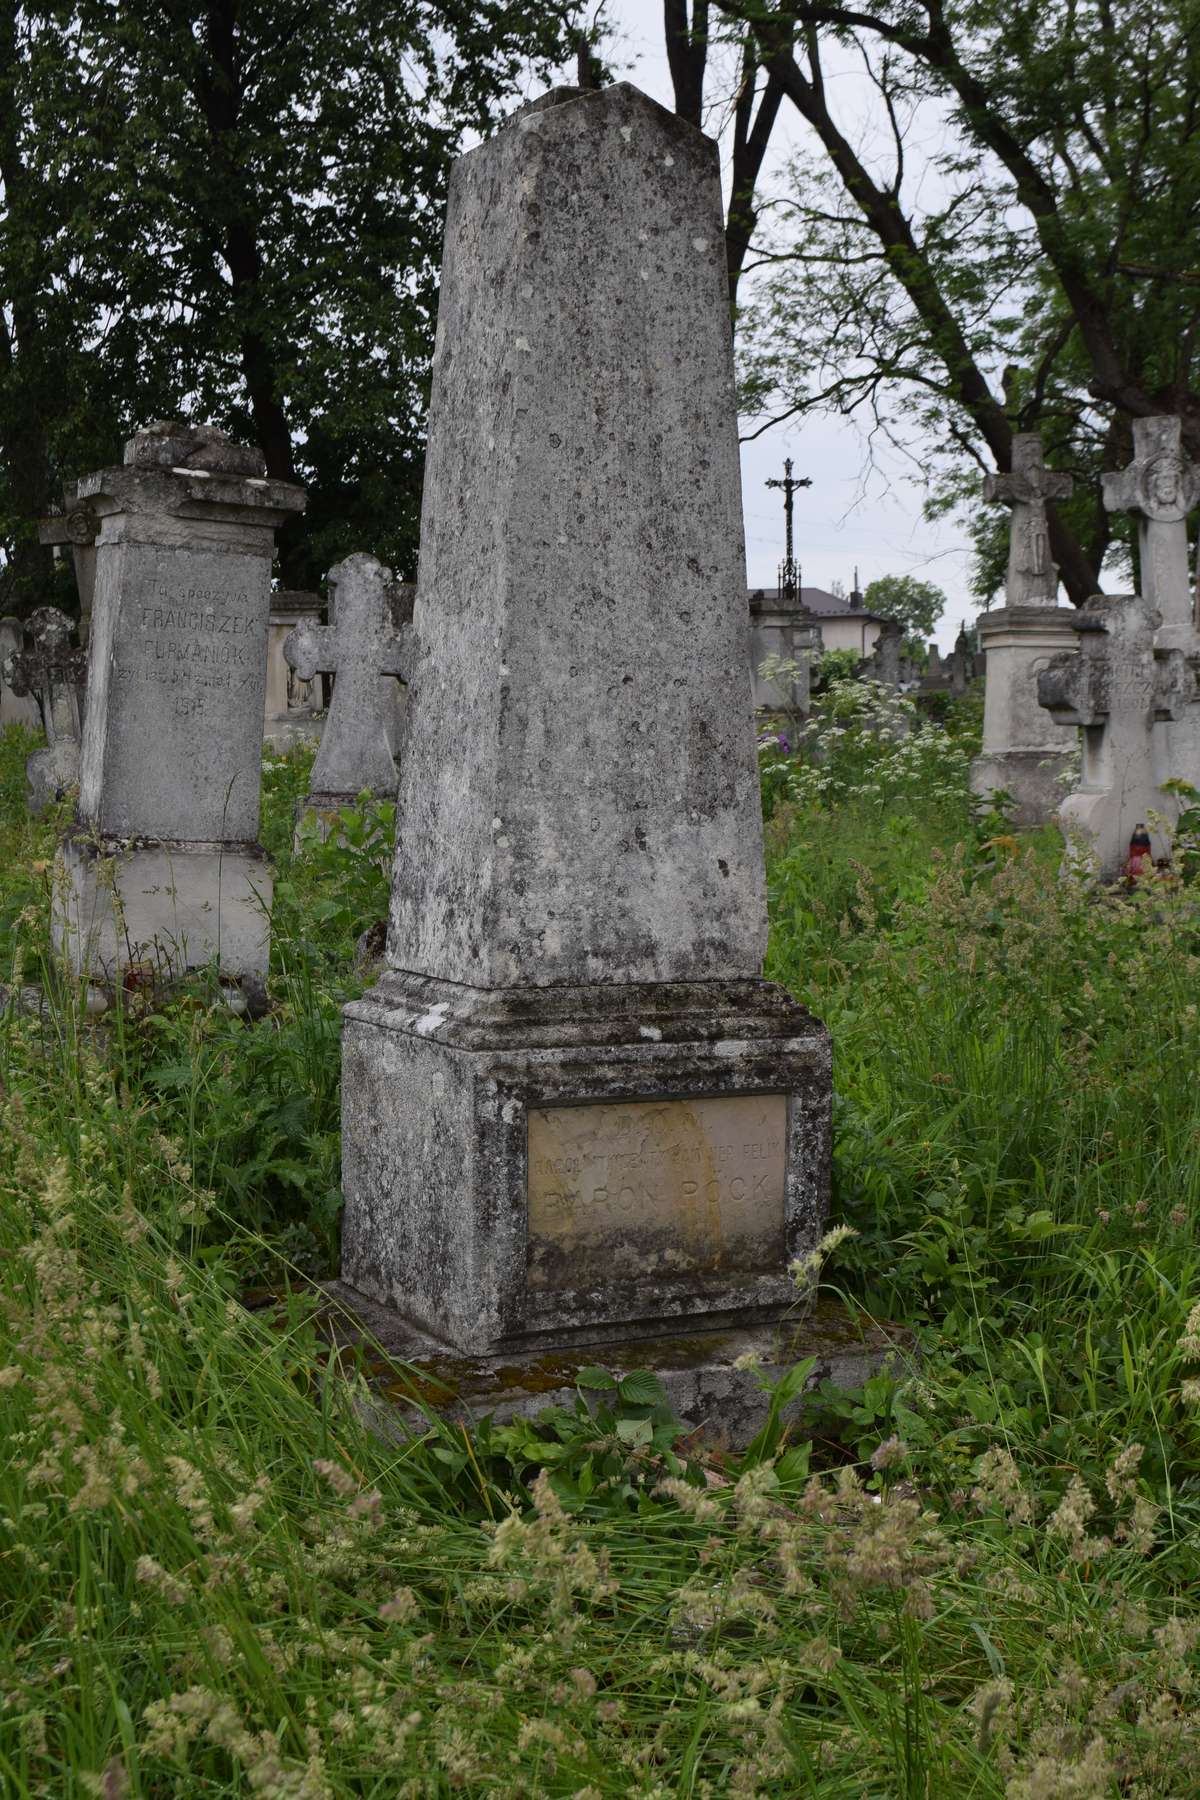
pixel 853 513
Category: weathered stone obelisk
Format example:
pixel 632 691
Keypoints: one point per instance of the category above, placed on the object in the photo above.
pixel 571 1107
pixel 163 869
pixel 1023 752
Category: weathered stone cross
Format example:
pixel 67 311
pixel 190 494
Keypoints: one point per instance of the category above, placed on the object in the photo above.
pixel 1160 487
pixel 52 670
pixel 363 648
pixel 1118 688
pixel 1032 574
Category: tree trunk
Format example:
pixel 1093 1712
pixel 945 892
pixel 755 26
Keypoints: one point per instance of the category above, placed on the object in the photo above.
pixel 27 579
pixel 219 95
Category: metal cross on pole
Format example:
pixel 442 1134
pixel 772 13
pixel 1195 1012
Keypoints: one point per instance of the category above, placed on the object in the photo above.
pixel 789 579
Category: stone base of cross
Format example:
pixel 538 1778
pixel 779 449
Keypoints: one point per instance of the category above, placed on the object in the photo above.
pixel 1118 689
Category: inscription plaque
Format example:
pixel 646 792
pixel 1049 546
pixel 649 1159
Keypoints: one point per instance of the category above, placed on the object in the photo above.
pixel 671 1188
pixel 189 670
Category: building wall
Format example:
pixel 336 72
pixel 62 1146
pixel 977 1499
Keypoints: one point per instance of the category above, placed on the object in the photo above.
pixel 848 631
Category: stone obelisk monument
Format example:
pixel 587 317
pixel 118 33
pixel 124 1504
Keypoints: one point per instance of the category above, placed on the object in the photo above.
pixel 572 1109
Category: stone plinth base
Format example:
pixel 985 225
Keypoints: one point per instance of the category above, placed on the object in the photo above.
pixel 50 772
pixel 318 813
pixel 163 909
pixel 524 1165
pixel 1032 777
pixel 698 1368
pixel 1024 750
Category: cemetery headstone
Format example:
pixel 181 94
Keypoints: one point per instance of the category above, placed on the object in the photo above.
pixel 163 868
pixel 295 709
pixel 50 670
pixel 1160 487
pixel 1117 689
pixel 15 709
pixel 1023 753
pixel 365 651
pixel 784 636
pixel 572 1110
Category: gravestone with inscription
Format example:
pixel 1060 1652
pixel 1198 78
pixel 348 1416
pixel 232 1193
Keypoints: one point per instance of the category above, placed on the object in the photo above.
pixel 1160 488
pixel 362 647
pixel 1119 689
pixel 163 867
pixel 572 1109
pixel 1024 753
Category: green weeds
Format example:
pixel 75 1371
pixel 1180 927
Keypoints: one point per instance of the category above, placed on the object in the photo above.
pixel 973 1577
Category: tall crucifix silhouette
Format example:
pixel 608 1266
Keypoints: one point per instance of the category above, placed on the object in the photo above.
pixel 789 574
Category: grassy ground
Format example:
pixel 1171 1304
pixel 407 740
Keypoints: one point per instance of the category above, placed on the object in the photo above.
pixel 974 1577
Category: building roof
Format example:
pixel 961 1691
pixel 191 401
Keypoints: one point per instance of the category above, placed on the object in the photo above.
pixel 824 605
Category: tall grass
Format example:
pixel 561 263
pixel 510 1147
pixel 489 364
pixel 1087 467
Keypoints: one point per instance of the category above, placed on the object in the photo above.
pixel 980 1581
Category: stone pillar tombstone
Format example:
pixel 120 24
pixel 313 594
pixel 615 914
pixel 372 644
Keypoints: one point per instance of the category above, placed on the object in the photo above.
pixel 571 1107
pixel 1160 488
pixel 1023 751
pixel 163 867
pixel 1119 689
pixel 780 629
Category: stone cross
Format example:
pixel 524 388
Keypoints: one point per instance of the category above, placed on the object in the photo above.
pixel 54 673
pixel 365 652
pixel 572 1106
pixel 1118 689
pixel 1160 487
pixel 1032 574
pixel 52 669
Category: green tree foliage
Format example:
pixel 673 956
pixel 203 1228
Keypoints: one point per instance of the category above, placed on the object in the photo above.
pixel 918 605
pixel 1007 244
pixel 233 210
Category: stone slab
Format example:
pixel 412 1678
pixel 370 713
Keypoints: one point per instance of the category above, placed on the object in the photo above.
pixel 439 1084
pixel 408 1371
pixel 165 910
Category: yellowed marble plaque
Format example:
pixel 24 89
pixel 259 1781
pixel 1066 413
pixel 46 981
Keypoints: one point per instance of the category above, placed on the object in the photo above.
pixel 656 1187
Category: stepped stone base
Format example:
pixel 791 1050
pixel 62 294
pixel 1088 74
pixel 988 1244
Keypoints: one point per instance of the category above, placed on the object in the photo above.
pixel 1032 777
pixel 407 1370
pixel 145 910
